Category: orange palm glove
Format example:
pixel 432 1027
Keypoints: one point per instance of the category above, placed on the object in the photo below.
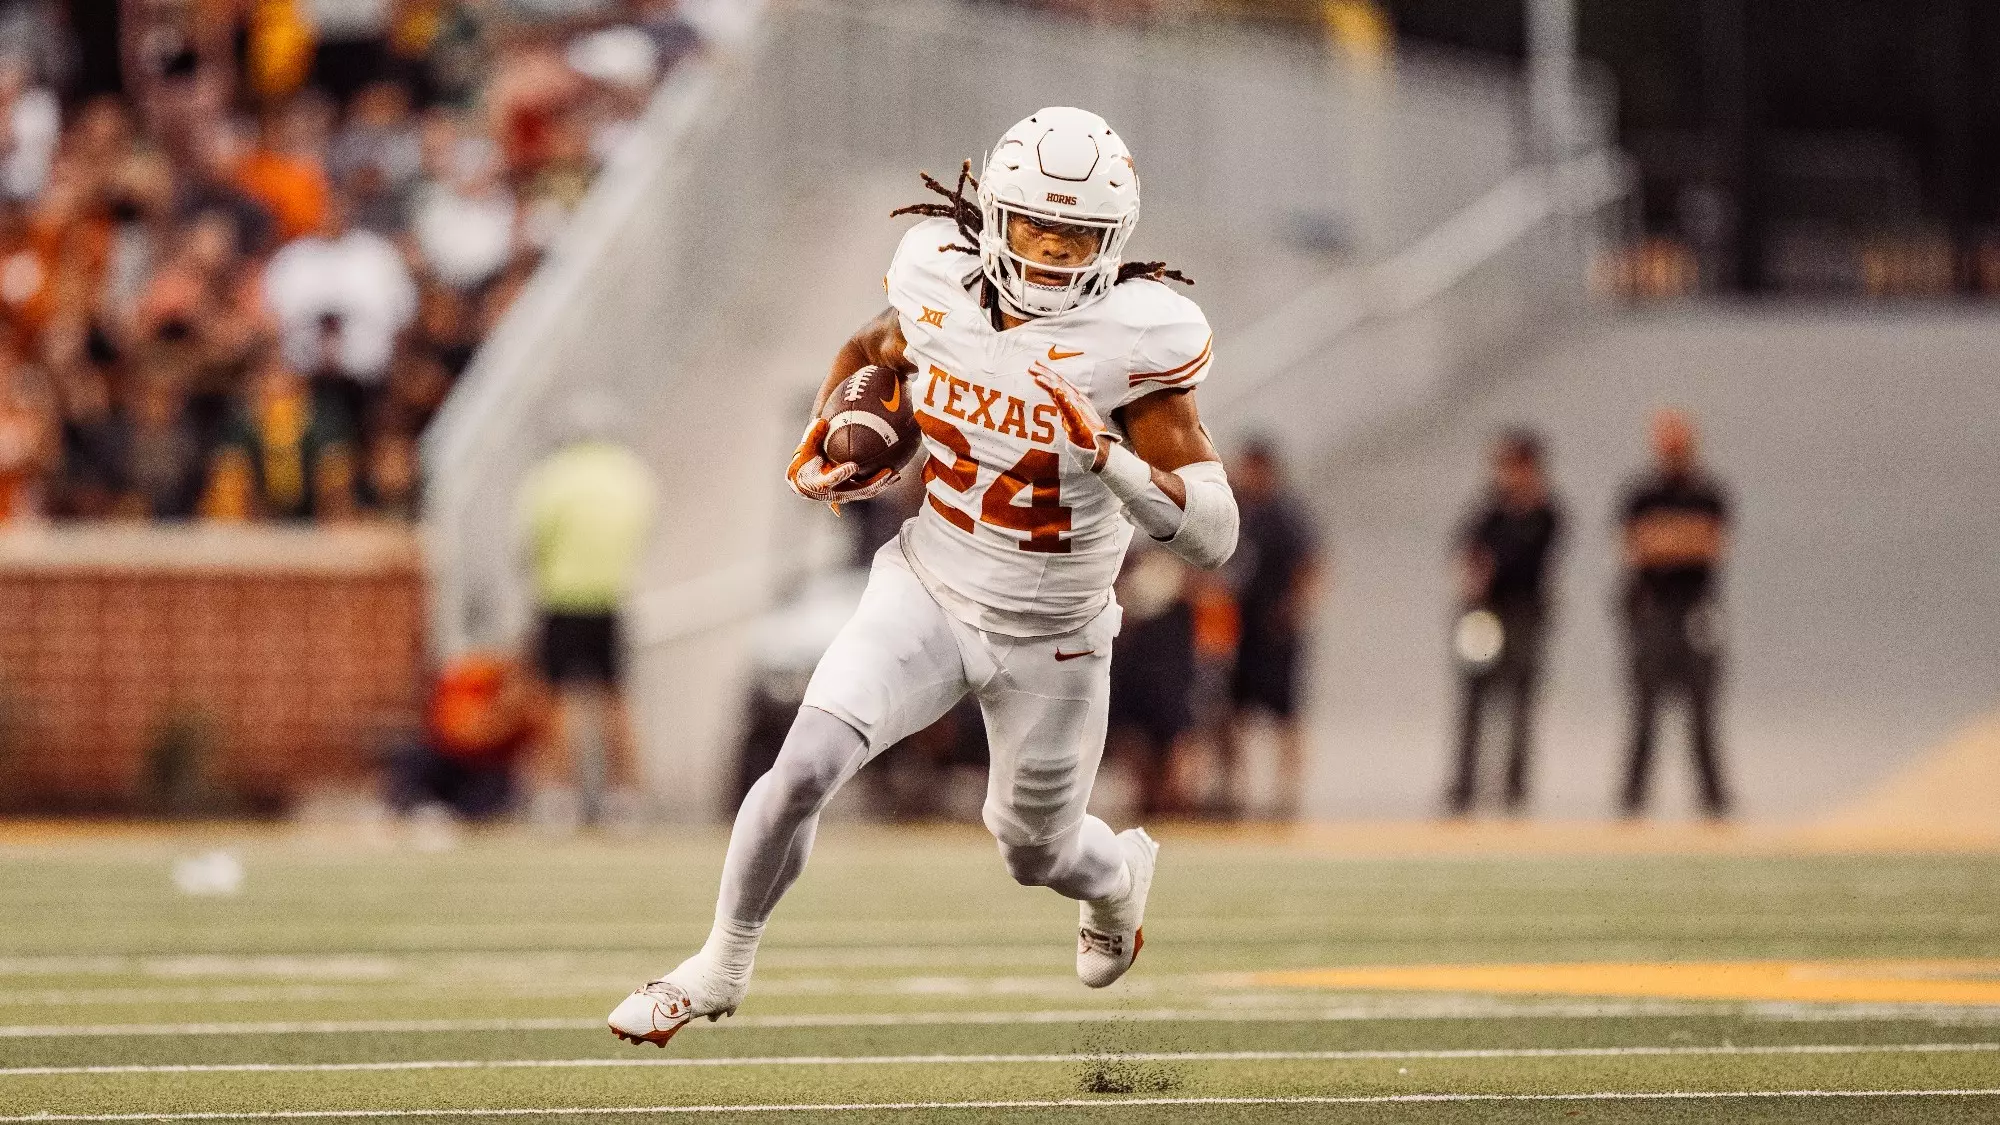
pixel 811 477
pixel 1090 440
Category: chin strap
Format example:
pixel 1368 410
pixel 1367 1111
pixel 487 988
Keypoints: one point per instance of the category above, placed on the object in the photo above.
pixel 1203 533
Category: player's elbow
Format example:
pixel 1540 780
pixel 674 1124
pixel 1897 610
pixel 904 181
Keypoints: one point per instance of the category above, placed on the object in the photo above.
pixel 1207 535
pixel 1204 552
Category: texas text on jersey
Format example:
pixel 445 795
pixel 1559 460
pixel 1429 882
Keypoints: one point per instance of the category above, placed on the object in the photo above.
pixel 1014 537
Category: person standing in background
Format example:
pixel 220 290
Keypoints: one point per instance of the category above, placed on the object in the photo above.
pixel 1675 522
pixel 284 455
pixel 1275 573
pixel 1153 676
pixel 481 717
pixel 586 512
pixel 1504 553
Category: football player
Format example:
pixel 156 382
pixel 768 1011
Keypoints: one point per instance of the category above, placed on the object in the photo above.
pixel 1053 383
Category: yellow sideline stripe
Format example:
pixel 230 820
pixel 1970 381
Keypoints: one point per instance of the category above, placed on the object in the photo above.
pixel 1891 982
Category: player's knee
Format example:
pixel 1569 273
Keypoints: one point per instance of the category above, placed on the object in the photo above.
pixel 1036 865
pixel 1030 866
pixel 817 756
pixel 796 790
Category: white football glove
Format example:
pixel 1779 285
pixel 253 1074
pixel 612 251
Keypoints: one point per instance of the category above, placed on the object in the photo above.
pixel 811 477
pixel 1090 440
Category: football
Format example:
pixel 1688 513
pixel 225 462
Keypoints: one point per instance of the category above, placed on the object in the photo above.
pixel 869 422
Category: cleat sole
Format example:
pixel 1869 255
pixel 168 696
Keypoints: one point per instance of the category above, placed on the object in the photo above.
pixel 656 1038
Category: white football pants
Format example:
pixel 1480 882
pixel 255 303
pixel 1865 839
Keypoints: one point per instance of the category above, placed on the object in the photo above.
pixel 898 665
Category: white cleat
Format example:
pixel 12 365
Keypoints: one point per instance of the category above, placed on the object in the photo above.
pixel 1110 937
pixel 697 988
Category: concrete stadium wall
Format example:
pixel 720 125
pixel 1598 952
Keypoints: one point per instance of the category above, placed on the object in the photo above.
pixel 1863 601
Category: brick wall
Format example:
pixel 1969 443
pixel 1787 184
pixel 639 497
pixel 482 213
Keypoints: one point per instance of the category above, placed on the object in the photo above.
pixel 278 660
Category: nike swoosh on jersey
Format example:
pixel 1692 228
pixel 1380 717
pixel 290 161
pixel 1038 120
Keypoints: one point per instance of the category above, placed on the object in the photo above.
pixel 1054 354
pixel 1061 655
pixel 895 398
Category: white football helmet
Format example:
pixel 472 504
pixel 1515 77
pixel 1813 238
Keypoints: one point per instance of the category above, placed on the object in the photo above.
pixel 1063 165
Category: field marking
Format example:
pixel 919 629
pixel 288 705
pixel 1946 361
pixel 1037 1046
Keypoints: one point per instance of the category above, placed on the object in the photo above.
pixel 1357 1013
pixel 1441 1055
pixel 391 966
pixel 1055 1103
pixel 299 1027
pixel 1415 1008
pixel 1906 981
pixel 1051 986
pixel 393 938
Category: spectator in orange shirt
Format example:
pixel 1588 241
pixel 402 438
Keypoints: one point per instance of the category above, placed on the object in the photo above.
pixel 28 446
pixel 67 249
pixel 284 172
pixel 24 276
pixel 482 715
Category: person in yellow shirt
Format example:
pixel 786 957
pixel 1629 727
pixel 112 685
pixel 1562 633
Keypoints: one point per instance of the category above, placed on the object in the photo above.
pixel 585 513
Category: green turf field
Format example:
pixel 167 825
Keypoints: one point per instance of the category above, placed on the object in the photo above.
pixel 907 979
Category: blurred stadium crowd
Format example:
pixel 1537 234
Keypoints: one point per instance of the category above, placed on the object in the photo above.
pixel 248 246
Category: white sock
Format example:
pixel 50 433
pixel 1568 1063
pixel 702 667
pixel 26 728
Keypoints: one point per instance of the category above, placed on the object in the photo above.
pixel 733 945
pixel 1124 885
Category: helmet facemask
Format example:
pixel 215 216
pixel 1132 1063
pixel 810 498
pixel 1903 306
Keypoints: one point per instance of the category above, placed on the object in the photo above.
pixel 1007 267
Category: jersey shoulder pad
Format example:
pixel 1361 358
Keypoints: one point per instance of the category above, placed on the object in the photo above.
pixel 1172 341
pixel 926 282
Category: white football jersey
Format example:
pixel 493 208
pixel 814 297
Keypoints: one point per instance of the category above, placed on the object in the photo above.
pixel 1013 536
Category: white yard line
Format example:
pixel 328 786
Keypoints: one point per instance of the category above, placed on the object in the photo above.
pixel 1411 1008
pixel 1063 1103
pixel 1051 986
pixel 301 1027
pixel 389 967
pixel 880 1019
pixel 435 938
pixel 959 1060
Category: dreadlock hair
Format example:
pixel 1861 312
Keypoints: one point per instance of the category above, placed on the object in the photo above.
pixel 963 210
pixel 959 209
pixel 1152 271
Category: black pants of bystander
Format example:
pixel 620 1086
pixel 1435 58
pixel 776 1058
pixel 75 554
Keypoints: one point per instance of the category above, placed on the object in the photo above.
pixel 1674 653
pixel 1516 673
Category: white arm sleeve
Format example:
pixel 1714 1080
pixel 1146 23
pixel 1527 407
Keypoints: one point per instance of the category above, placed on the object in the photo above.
pixel 1207 536
pixel 1204 533
pixel 1130 479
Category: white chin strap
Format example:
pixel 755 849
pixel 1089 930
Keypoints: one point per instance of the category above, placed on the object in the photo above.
pixel 1047 300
